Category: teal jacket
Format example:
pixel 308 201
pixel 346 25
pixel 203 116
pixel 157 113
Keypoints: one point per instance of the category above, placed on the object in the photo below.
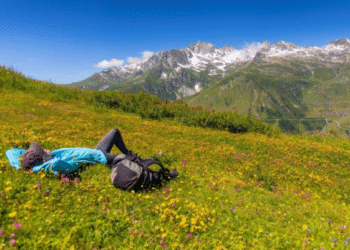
pixel 67 160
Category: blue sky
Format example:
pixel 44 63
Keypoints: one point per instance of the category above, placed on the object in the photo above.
pixel 68 41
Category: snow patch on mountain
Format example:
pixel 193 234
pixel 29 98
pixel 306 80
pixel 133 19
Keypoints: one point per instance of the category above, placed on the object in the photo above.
pixel 101 74
pixel 200 55
pixel 330 52
pixel 185 91
pixel 212 72
pixel 203 54
pixel 178 69
pixel 197 87
pixel 104 87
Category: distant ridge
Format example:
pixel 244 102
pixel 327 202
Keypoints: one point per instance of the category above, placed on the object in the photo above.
pixel 278 82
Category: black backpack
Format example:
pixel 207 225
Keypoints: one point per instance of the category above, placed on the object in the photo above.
pixel 130 172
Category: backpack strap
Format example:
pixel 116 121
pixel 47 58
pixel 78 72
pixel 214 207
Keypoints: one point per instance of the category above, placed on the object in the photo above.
pixel 145 163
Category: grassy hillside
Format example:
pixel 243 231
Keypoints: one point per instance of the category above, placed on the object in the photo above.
pixel 296 95
pixel 299 96
pixel 151 81
pixel 234 190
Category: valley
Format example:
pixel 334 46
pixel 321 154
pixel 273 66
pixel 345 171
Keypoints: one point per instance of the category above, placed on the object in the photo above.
pixel 298 88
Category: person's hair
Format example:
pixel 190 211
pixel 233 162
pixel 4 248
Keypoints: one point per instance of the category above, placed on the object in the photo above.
pixel 32 157
pixel 24 167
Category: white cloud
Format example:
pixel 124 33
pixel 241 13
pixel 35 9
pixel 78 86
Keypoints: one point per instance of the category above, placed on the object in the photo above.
pixel 107 64
pixel 147 54
pixel 130 60
pixel 137 60
pixel 251 49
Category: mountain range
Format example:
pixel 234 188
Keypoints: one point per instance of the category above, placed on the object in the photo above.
pixel 301 88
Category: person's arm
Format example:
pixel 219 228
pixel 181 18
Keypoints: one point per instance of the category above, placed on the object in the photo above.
pixel 57 165
pixel 47 157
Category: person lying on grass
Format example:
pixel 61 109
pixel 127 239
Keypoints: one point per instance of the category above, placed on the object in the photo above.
pixel 37 156
pixel 68 160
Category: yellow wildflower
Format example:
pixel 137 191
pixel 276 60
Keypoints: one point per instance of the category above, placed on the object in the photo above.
pixel 13 214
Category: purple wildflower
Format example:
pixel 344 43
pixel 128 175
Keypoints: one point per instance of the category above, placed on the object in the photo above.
pixel 17 225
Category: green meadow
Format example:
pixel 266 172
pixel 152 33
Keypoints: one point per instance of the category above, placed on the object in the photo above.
pixel 242 184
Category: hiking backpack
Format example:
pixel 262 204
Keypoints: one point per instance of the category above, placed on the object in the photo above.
pixel 130 172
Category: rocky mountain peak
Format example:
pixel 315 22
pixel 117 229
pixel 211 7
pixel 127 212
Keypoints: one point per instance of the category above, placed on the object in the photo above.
pixel 341 42
pixel 227 49
pixel 266 46
pixel 283 46
pixel 202 48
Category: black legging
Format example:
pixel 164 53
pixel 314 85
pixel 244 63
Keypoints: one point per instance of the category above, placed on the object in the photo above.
pixel 113 137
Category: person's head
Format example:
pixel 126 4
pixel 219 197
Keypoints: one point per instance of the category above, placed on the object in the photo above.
pixel 34 156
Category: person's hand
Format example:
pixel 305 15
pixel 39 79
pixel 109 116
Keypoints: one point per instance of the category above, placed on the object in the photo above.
pixel 48 156
pixel 47 151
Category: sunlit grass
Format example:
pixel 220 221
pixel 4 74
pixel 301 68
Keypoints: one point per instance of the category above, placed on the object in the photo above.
pixel 234 191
